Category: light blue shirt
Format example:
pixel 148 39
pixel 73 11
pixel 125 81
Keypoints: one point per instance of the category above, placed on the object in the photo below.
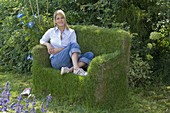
pixel 52 35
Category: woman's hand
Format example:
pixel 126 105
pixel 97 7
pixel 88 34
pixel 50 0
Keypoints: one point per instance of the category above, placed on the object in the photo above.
pixel 56 50
pixel 50 48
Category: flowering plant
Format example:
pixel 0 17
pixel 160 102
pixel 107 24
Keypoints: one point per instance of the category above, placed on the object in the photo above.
pixel 18 107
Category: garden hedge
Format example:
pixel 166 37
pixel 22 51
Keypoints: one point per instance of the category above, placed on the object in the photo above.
pixel 106 83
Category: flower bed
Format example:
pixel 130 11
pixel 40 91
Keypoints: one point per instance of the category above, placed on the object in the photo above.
pixel 21 105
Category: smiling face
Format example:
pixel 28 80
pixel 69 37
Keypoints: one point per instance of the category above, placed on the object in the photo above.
pixel 60 20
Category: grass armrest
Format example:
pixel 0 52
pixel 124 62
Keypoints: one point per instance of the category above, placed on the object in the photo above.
pixel 41 56
pixel 107 79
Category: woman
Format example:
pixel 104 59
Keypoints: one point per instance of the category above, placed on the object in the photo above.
pixel 63 48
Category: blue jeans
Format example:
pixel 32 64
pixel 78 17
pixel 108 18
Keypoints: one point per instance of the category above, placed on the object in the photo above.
pixel 63 58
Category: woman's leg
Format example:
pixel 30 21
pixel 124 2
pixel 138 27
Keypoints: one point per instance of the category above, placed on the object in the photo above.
pixel 81 61
pixel 85 59
pixel 61 59
pixel 81 64
pixel 76 64
pixel 73 53
pixel 67 57
pixel 71 57
pixel 74 58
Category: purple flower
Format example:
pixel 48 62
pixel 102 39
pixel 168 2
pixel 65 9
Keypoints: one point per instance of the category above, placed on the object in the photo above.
pixel 34 101
pixel 18 109
pixel 48 100
pixel 4 108
pixel 27 102
pixel 8 95
pixel 33 110
pixel 19 98
pixel 30 24
pixel 42 107
pixel 12 106
pixel 33 106
pixel 7 86
pixel 26 111
pixel 20 15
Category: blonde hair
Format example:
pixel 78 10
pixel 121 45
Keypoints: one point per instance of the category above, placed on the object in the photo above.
pixel 63 14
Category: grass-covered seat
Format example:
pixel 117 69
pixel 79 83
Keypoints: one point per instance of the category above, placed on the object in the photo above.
pixel 106 82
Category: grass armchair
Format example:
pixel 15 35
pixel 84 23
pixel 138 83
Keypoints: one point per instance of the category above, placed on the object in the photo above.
pixel 106 83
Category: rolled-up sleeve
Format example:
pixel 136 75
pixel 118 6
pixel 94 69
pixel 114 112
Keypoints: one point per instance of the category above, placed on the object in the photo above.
pixel 46 37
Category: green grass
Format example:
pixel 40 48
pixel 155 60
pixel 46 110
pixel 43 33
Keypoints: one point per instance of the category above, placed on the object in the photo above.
pixel 154 99
pixel 17 82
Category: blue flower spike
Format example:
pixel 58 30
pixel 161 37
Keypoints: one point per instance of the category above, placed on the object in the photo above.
pixel 7 86
pixel 20 15
pixel 48 99
pixel 30 24
pixel 18 107
pixel 42 108
pixel 33 110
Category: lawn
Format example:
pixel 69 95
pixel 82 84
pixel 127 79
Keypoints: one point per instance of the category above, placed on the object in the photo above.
pixel 153 99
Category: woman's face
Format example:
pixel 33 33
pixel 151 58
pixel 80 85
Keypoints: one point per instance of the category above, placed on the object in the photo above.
pixel 60 20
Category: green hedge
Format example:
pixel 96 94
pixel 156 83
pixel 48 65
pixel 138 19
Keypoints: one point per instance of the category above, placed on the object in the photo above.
pixel 106 84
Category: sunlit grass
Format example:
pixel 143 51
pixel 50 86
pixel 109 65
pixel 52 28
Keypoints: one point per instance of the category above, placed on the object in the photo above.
pixel 17 82
pixel 142 100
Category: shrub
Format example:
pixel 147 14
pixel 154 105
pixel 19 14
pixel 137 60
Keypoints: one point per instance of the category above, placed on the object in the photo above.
pixel 141 17
pixel 20 31
pixel 25 22
pixel 159 54
pixel 139 72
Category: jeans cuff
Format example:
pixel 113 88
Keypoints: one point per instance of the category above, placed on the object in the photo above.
pixel 73 50
pixel 85 60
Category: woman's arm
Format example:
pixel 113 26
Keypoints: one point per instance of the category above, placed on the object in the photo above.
pixel 52 50
pixel 56 50
pixel 45 41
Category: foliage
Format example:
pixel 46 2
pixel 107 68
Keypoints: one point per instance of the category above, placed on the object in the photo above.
pixel 161 47
pixel 139 73
pixel 159 53
pixel 20 32
pixel 146 17
pixel 139 17
pixel 18 38
pixel 21 105
pixel 153 99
